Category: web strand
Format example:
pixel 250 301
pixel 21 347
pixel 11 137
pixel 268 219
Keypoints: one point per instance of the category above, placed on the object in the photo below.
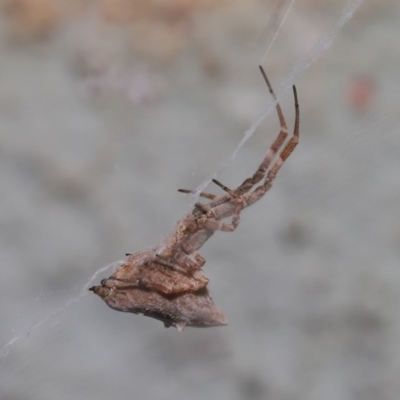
pixel 25 332
pixel 277 31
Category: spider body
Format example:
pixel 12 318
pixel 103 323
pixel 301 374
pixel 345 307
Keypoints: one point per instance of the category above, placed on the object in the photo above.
pixel 167 283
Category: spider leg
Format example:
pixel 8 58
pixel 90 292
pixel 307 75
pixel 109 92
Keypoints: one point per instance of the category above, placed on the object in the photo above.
pixel 189 250
pixel 273 150
pixel 202 194
pixel 231 192
pixel 217 200
pixel 257 193
pixel 204 208
pixel 138 282
pixel 181 261
pixel 165 261
pixel 215 224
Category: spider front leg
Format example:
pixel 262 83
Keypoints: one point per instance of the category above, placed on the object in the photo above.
pixel 257 193
pixel 273 150
pixel 261 171
pixel 247 198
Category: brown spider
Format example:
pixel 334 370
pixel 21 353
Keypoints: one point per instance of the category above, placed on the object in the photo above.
pixel 167 282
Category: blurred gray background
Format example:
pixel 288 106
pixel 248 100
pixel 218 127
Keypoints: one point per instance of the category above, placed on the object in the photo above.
pixel 108 106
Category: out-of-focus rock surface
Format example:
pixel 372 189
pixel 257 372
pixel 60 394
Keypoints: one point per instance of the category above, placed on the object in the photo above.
pixel 107 107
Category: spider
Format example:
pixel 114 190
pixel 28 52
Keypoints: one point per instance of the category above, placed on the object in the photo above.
pixel 167 282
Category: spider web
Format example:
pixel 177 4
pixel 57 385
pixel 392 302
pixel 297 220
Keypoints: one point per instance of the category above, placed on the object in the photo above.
pixel 299 67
